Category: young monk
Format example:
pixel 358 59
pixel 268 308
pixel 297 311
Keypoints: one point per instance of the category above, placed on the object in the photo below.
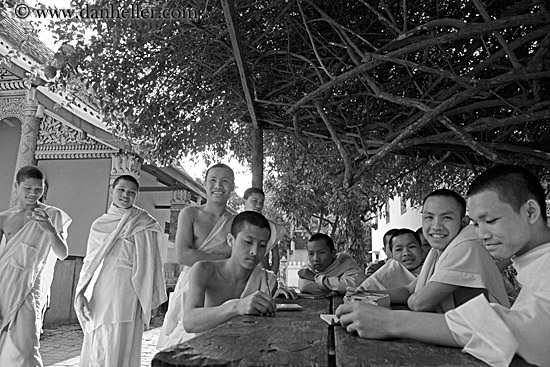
pixel 254 198
pixel 404 265
pixel 220 290
pixel 374 266
pixel 458 267
pixel 201 235
pixel 507 205
pixel 326 270
pixel 121 281
pixel 33 232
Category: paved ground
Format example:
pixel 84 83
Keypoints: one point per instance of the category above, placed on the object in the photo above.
pixel 60 345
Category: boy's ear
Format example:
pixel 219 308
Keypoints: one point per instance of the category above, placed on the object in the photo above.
pixel 230 239
pixel 465 221
pixel 533 210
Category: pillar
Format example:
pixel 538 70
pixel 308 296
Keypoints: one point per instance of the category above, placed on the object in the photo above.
pixel 30 129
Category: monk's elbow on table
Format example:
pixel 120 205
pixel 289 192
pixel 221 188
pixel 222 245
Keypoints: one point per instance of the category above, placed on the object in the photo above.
pixel 420 305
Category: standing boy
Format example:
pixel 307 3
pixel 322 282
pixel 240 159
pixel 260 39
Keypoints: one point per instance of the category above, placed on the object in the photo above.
pixel 254 198
pixel 33 230
pixel 328 271
pixel 507 205
pixel 201 235
pixel 121 281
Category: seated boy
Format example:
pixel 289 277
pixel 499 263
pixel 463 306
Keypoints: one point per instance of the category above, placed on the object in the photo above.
pixel 328 271
pixel 222 289
pixel 458 268
pixel 508 207
pixel 254 200
pixel 375 265
pixel 403 267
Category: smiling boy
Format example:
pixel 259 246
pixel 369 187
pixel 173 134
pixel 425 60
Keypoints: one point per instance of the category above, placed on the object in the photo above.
pixel 33 231
pixel 507 205
pixel 404 265
pixel 121 280
pixel 459 267
pixel 223 289
pixel 201 235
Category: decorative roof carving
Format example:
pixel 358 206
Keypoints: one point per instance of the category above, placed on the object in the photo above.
pixel 59 141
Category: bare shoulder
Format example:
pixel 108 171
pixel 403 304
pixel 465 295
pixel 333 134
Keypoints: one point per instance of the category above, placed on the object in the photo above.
pixel 7 215
pixel 190 213
pixel 205 270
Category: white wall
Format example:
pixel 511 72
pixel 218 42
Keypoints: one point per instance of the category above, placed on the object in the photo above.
pixel 80 187
pixel 9 145
pixel 411 219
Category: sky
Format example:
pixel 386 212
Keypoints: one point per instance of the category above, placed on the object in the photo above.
pixel 197 167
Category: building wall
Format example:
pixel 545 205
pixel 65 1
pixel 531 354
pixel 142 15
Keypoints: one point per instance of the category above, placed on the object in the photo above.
pixel 411 218
pixel 157 204
pixel 9 145
pixel 80 188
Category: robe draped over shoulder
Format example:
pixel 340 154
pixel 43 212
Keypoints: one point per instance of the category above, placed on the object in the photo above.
pixel 278 232
pixel 342 273
pixel 494 333
pixel 391 275
pixel 26 271
pixel 215 243
pixel 465 263
pixel 122 238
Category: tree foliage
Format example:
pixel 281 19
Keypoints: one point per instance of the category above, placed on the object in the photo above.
pixel 359 100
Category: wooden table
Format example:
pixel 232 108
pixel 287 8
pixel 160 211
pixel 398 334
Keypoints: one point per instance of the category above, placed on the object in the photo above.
pixel 301 338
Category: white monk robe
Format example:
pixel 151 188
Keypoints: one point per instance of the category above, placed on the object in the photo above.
pixel 494 333
pixel 342 273
pixel 215 243
pixel 123 281
pixel 278 232
pixel 392 274
pixel 260 280
pixel 23 263
pixel 465 262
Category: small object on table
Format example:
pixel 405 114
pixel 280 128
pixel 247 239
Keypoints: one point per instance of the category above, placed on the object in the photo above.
pixel 379 299
pixel 288 307
pixel 330 319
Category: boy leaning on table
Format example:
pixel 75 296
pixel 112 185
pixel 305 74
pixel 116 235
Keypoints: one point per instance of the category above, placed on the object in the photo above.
pixel 507 205
pixel 326 270
pixel 222 289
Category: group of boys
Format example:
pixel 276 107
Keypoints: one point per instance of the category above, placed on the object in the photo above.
pixel 120 283
pixel 457 299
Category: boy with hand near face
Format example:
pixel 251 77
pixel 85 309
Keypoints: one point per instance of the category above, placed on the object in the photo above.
pixel 223 289
pixel 33 232
pixel 507 205
pixel 121 280
pixel 328 271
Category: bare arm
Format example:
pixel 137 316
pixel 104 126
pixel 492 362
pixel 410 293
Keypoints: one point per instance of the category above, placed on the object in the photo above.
pixel 373 322
pixel 432 294
pixel 198 318
pixel 59 245
pixel 186 254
